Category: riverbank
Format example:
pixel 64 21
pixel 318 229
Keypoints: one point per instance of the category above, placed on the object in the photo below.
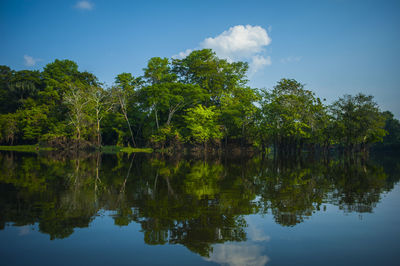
pixel 116 149
pixel 26 148
pixel 103 149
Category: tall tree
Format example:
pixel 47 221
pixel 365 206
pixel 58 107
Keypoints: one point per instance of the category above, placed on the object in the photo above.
pixel 6 75
pixel 158 70
pixel 392 126
pixel 100 103
pixel 124 92
pixel 238 112
pixel 217 76
pixel 289 114
pixel 77 101
pixel 358 121
pixel 168 98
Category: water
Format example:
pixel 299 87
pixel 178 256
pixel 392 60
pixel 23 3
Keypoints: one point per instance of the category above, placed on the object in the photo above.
pixel 144 210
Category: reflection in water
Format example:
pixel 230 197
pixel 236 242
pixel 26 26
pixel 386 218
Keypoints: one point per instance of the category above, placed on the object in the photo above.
pixel 24 230
pixel 255 233
pixel 199 204
pixel 236 254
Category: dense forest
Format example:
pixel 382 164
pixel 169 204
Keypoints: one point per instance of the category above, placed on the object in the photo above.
pixel 200 101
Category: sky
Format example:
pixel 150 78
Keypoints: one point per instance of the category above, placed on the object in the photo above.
pixel 334 47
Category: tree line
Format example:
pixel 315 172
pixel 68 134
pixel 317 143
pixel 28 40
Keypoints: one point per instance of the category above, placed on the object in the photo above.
pixel 199 101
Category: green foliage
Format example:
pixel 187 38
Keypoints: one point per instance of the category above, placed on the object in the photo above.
pixel 217 76
pixel 167 99
pixel 33 122
pixel 238 111
pixel 158 71
pixel 202 124
pixel 135 150
pixel 166 136
pixel 8 128
pixel 25 148
pixel 292 109
pixel 196 100
pixel 392 127
pixel 358 120
pixel 124 96
pixel 290 116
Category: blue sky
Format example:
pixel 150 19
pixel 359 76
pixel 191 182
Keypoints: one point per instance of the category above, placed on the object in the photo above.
pixel 333 46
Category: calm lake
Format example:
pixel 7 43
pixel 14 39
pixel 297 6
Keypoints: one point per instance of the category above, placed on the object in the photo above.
pixel 145 210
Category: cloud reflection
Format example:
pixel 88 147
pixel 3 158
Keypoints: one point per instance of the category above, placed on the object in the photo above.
pixel 23 230
pixel 236 254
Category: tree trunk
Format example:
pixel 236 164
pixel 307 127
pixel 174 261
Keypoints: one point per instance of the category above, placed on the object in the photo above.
pixel 126 118
pixel 130 129
pixel 98 133
pixel 155 113
pixel 79 136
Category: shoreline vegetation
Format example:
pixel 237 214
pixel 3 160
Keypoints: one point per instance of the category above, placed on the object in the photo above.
pixel 116 149
pixel 199 103
pixel 25 148
pixel 103 149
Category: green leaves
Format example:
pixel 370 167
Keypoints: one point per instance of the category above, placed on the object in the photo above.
pixel 194 99
pixel 202 124
pixel 158 71
pixel 217 76
pixel 33 122
pixel 358 120
pixel 289 110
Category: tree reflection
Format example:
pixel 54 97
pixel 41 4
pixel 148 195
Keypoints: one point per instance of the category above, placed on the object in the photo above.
pixel 189 202
pixel 358 186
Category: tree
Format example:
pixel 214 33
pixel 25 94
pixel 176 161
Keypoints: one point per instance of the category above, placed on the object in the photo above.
pixel 158 70
pixel 76 102
pixel 358 121
pixel 23 85
pixel 290 114
pixel 238 112
pixel 216 76
pixel 164 97
pixel 101 103
pixel 6 75
pixel 16 87
pixel 8 128
pixel 392 127
pixel 59 78
pixel 33 122
pixel 202 124
pixel 168 98
pixel 166 104
pixel 123 93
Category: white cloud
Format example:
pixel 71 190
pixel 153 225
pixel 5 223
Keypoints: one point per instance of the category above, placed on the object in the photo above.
pixel 240 43
pixel 183 54
pixel 291 59
pixel 30 61
pixel 258 62
pixel 84 5
pixel 235 254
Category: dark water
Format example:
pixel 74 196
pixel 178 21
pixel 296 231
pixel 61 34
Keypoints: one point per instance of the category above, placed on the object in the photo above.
pixel 143 210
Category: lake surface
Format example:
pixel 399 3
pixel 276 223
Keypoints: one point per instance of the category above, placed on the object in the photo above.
pixel 146 210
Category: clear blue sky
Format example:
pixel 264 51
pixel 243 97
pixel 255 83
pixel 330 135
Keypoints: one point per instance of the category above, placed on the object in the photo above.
pixel 333 46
